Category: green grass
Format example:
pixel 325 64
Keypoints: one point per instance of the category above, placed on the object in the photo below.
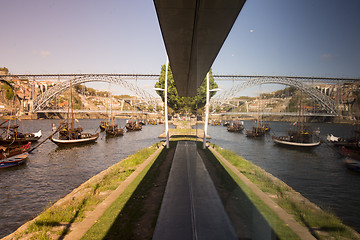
pixel 232 181
pixel 120 219
pixel 322 224
pixel 51 219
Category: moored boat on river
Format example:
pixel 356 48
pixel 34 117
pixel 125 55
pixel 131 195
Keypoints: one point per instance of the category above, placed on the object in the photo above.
pixel 13 155
pixel 14 160
pixel 12 150
pixel 132 125
pixel 350 143
pixel 303 136
pixel 69 135
pixel 114 131
pixel 255 132
pixel 236 126
pixel 150 122
pixel 352 164
pixel 111 129
pixel 11 135
pixel 103 125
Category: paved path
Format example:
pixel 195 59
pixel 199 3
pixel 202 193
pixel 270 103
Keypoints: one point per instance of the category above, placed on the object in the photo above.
pixel 191 207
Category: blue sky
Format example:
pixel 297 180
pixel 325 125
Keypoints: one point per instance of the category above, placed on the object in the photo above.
pixel 278 37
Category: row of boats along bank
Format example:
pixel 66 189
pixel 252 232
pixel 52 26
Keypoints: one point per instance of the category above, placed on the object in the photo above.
pixel 15 145
pixel 301 135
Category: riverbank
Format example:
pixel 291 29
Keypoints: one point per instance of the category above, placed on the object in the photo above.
pixel 185 128
pixel 275 118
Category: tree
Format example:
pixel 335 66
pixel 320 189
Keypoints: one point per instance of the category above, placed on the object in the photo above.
pixel 177 103
pixel 5 70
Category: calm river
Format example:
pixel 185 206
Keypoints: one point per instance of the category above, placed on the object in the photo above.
pixel 50 172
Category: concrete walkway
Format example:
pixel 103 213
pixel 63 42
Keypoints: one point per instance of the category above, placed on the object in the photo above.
pixel 191 207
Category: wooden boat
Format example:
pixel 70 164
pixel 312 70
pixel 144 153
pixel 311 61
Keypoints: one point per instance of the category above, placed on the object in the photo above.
pixel 132 125
pixel 302 136
pixel 142 122
pixel 260 128
pixel 13 155
pixel 12 150
pixel 295 141
pixel 350 152
pixel 111 129
pixel 215 122
pixel 83 138
pixel 152 122
pixel 255 132
pixel 69 135
pixel 352 164
pixel 236 126
pixel 14 160
pixel 11 135
pixel 266 127
pixel 103 125
pixel 350 143
pixel 226 123
pixel 114 131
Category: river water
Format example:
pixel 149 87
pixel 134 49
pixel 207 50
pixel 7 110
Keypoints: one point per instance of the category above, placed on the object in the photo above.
pixel 51 172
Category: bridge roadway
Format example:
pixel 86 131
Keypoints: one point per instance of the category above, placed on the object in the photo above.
pixel 191 207
pixel 92 111
pixel 309 114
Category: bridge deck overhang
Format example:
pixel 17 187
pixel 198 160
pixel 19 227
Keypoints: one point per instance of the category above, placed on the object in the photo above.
pixel 193 33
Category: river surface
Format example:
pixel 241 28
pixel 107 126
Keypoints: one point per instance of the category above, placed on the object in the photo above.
pixel 51 172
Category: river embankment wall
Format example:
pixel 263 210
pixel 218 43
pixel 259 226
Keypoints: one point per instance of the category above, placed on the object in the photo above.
pixel 270 118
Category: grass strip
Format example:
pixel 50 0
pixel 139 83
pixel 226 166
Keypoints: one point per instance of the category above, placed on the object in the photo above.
pixel 322 224
pixel 280 228
pixel 120 220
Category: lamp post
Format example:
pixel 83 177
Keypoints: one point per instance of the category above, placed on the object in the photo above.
pixel 165 100
pixel 207 107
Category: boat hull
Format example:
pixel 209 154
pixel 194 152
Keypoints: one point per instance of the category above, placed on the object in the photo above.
pixel 72 142
pixel 28 137
pixel 131 128
pixel 114 133
pixel 352 164
pixel 295 144
pixel 14 160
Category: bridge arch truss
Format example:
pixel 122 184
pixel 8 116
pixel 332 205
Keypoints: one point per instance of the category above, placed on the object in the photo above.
pixel 327 102
pixel 41 101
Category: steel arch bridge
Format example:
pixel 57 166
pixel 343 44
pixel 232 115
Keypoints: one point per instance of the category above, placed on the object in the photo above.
pixel 327 102
pixel 41 101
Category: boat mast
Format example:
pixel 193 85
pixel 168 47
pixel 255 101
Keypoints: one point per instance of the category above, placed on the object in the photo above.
pixel 72 109
pixel 112 120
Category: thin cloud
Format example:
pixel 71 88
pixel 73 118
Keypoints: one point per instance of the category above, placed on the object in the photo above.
pixel 45 54
pixel 326 56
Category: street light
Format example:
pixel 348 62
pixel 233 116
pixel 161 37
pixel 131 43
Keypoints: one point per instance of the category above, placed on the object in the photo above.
pixel 207 107
pixel 165 100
